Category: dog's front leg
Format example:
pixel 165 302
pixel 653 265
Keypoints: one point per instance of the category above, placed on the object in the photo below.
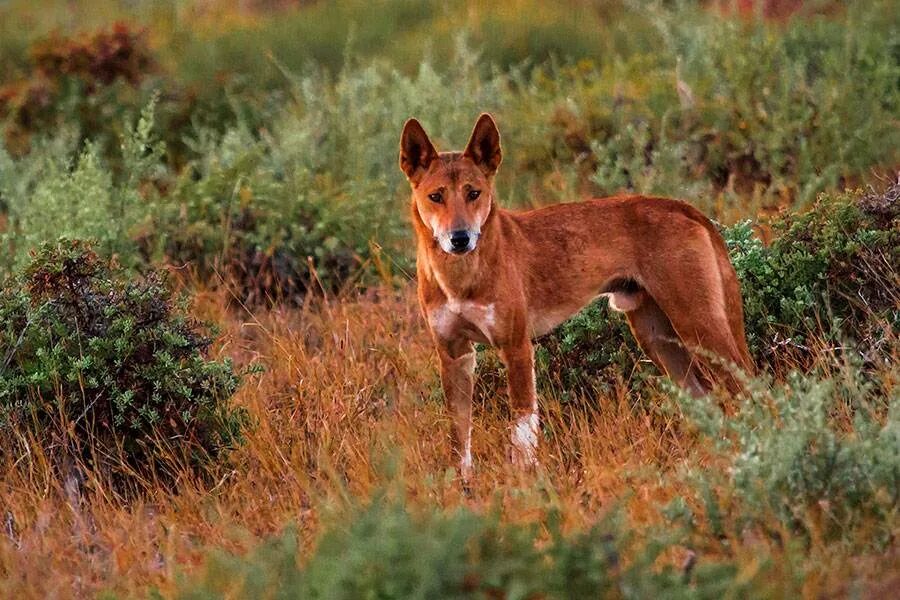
pixel 519 360
pixel 457 379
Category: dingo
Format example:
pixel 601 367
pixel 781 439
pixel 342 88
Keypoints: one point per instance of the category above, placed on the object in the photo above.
pixel 489 275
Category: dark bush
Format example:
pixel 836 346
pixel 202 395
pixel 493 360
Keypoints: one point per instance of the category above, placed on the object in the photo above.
pixel 110 373
pixel 99 59
pixel 88 80
pixel 829 274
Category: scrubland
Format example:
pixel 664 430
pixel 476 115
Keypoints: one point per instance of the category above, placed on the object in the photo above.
pixel 214 378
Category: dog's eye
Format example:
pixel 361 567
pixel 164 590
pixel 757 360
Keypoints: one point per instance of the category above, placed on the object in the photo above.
pixel 435 197
pixel 473 195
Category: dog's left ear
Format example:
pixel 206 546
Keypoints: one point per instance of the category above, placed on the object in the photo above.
pixel 484 145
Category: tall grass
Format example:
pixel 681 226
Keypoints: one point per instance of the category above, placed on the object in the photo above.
pixel 349 405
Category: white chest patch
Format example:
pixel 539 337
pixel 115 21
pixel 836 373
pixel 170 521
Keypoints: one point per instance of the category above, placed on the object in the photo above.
pixel 444 319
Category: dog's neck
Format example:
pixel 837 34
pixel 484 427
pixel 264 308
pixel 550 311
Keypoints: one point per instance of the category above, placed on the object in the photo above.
pixel 458 276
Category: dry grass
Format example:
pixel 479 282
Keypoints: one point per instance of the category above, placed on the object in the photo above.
pixel 349 402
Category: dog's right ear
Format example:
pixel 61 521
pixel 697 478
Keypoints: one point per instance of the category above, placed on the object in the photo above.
pixel 416 151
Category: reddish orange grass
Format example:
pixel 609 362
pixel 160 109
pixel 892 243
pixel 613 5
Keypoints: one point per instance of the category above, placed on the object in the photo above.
pixel 350 389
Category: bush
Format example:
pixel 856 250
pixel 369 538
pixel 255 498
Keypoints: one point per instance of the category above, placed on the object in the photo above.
pixel 689 104
pixel 762 107
pixel 83 81
pixel 62 190
pixel 387 551
pixel 817 458
pixel 110 373
pixel 829 276
pixel 321 184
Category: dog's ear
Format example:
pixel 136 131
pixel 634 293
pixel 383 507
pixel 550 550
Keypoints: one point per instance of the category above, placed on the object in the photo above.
pixel 416 151
pixel 484 145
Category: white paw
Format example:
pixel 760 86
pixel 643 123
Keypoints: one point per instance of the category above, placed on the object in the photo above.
pixel 466 469
pixel 524 438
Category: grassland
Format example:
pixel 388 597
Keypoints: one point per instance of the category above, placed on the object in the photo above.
pixel 250 153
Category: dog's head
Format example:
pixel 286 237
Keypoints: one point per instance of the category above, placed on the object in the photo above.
pixel 453 191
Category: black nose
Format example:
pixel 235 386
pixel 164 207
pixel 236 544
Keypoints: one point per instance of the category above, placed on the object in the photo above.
pixel 459 240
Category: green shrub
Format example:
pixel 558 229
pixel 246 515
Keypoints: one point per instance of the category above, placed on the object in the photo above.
pixel 632 160
pixel 814 457
pixel 830 275
pixel 388 551
pixel 107 372
pixel 322 183
pixel 61 190
pixel 766 107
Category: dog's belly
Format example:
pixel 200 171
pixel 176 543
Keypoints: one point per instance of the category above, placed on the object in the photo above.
pixel 478 322
pixel 545 321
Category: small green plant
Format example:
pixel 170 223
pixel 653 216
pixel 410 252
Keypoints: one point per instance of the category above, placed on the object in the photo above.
pixel 108 372
pixel 61 190
pixel 817 458
pixel 632 160
pixel 388 551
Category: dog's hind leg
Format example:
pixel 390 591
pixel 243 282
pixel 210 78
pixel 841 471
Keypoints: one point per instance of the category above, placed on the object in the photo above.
pixel 656 336
pixel 703 328
pixel 702 306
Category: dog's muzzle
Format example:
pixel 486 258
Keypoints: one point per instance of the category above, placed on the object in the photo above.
pixel 459 241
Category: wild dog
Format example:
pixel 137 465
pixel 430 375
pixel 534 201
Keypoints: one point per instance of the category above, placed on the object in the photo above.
pixel 503 278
